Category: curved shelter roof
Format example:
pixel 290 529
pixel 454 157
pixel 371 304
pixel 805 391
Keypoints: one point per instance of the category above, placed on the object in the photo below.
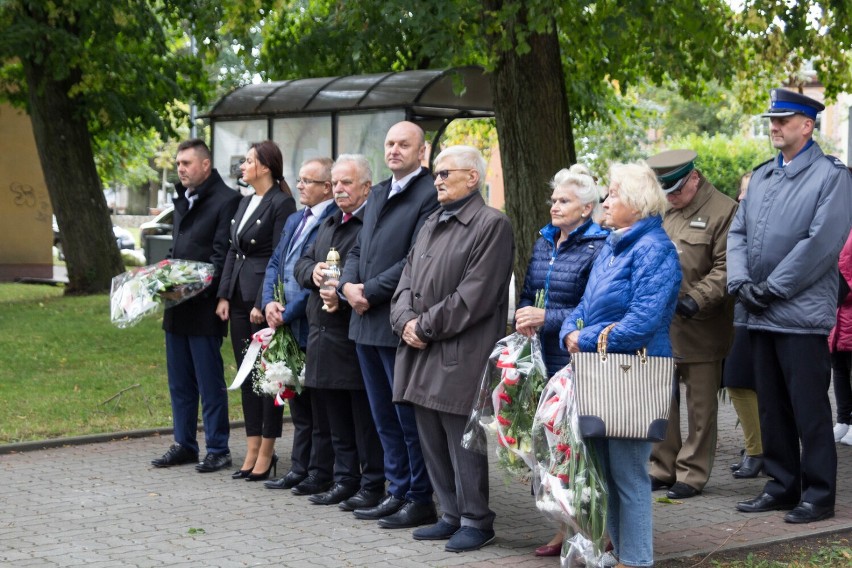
pixel 425 95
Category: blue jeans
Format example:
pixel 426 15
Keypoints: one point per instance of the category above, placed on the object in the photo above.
pixel 195 367
pixel 630 511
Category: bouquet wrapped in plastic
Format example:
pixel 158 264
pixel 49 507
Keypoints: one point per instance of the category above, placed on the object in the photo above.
pixel 146 290
pixel 276 359
pixel 568 481
pixel 507 402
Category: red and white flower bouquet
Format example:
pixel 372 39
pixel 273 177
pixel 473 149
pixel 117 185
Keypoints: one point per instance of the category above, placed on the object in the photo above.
pixel 276 359
pixel 507 402
pixel 568 481
pixel 146 290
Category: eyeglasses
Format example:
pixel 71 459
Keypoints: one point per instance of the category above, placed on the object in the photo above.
pixel 444 174
pixel 306 181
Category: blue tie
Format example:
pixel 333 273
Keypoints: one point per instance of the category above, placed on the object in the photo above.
pixel 298 232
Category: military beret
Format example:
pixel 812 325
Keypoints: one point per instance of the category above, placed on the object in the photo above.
pixel 672 167
pixel 787 103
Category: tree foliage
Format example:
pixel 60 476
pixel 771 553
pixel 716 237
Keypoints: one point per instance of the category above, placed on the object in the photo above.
pixel 89 70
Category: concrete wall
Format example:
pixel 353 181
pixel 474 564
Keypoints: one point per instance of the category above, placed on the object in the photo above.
pixel 26 234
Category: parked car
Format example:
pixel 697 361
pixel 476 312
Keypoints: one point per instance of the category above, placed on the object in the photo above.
pixel 159 225
pixel 123 238
pixel 156 235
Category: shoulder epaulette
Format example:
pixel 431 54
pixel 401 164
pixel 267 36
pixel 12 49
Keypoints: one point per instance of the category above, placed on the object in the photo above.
pixel 838 163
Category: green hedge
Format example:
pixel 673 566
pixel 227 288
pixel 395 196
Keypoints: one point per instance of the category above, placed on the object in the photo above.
pixel 724 159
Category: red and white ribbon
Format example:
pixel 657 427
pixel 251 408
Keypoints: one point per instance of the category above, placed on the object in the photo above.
pixel 259 342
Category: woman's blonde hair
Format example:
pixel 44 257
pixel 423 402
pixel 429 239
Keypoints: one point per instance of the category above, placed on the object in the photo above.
pixel 638 187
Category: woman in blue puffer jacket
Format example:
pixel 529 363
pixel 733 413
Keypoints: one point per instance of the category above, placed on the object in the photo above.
pixel 634 283
pixel 561 261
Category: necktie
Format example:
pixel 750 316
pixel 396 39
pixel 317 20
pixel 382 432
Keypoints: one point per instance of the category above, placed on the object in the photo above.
pixel 346 217
pixel 304 222
pixel 191 197
pixel 395 188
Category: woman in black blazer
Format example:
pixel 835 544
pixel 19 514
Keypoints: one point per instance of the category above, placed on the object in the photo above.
pixel 254 233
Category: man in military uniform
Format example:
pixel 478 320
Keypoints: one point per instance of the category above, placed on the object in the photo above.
pixel 702 330
pixel 782 265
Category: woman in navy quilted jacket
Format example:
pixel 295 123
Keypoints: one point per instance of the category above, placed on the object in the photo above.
pixel 634 283
pixel 561 261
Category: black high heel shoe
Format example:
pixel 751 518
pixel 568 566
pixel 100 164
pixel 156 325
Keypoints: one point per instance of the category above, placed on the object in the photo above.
pixel 273 468
pixel 241 473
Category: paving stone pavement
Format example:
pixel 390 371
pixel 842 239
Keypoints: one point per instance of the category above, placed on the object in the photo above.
pixel 103 505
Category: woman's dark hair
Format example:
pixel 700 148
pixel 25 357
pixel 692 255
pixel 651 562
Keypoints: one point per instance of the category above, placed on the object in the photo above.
pixel 269 154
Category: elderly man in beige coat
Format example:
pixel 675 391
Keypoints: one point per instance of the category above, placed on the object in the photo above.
pixel 450 308
pixel 702 330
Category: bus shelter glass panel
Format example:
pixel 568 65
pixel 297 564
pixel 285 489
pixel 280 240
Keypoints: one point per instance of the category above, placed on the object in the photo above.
pixel 364 133
pixel 302 138
pixel 231 141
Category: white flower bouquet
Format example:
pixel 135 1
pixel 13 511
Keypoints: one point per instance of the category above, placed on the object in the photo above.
pixel 146 290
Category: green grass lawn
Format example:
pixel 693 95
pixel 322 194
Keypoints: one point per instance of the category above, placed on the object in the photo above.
pixel 62 361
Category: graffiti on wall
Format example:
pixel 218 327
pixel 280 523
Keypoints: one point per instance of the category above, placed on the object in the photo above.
pixel 25 196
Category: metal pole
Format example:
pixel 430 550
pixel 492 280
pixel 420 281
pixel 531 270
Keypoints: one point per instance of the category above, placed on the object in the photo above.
pixel 193 131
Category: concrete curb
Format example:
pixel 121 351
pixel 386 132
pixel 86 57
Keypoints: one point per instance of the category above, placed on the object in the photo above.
pixel 94 439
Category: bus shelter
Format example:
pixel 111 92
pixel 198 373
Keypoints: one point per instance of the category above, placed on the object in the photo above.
pixel 329 116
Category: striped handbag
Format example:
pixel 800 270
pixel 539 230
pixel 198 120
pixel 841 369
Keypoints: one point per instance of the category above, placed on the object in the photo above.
pixel 621 395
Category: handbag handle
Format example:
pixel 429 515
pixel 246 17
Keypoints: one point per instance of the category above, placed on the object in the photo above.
pixel 604 337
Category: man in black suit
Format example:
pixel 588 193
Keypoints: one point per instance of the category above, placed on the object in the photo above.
pixel 331 370
pixel 393 216
pixel 204 207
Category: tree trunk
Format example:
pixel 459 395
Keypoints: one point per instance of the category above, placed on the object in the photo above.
pixel 67 161
pixel 534 129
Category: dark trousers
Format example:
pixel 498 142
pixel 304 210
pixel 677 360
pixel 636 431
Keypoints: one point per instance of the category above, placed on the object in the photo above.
pixel 262 417
pixel 841 366
pixel 404 467
pixel 358 455
pixel 793 373
pixel 312 453
pixel 460 476
pixel 195 368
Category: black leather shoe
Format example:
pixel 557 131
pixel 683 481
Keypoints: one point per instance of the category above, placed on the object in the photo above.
pixel 338 492
pixel 736 466
pixel 762 503
pixel 657 484
pixel 176 455
pixel 214 462
pixel 292 479
pixel 387 506
pixel 411 514
pixel 751 467
pixel 808 513
pixel 311 486
pixel 682 491
pixel 364 499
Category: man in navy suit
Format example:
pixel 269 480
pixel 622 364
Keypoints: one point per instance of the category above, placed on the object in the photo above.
pixel 312 455
pixel 204 207
pixel 393 216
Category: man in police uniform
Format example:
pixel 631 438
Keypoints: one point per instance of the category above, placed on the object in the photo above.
pixel 702 330
pixel 782 265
